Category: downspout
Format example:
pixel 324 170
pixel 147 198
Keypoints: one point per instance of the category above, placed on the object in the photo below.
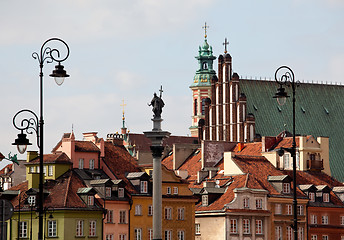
pixel 130 204
pixel 104 214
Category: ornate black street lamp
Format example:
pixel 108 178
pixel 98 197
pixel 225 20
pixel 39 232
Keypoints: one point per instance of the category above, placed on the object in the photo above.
pixel 285 76
pixel 32 124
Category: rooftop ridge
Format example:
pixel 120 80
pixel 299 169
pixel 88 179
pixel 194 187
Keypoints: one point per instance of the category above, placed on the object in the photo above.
pixel 301 81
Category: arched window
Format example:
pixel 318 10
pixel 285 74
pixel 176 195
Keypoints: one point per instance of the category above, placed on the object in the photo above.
pixel 195 107
pixel 205 65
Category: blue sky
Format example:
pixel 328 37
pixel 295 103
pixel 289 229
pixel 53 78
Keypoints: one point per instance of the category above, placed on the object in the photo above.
pixel 127 49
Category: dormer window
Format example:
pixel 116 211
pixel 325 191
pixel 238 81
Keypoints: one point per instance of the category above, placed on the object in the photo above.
pixel 108 191
pixel 144 186
pixel 286 188
pixel 326 197
pixel 246 203
pixel 205 200
pixel 90 200
pixel 32 200
pixel 121 192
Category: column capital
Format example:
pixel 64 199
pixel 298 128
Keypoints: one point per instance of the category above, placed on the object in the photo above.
pixel 157 151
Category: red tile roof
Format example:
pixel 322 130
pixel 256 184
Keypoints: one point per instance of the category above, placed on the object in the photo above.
pixel 56 157
pixel 86 146
pixel 249 149
pixel 10 169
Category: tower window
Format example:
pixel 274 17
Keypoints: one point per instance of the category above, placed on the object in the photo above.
pixel 205 66
pixel 195 107
pixel 203 106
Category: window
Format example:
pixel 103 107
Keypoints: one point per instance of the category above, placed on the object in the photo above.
pixel 45 170
pixel 168 213
pixel 122 216
pixel 205 200
pixel 109 237
pixel 259 227
pixel 32 169
pixel 138 210
pixel 138 234
pixel 121 192
pixel 181 213
pixel 278 209
pixel 52 226
pixel 246 226
pixel 23 230
pixel 91 163
pixel 311 196
pixel 144 188
pixel 108 192
pixel 278 233
pixel 286 161
pixel 290 233
pixel 50 170
pixel 289 209
pixel 150 234
pixel 286 187
pixel 122 236
pixel 197 228
pixel 168 190
pixel 203 106
pixel 81 163
pixel 300 233
pixel 93 228
pixel 300 210
pixel 175 190
pixel 37 169
pixel 259 203
pixel 195 107
pixel 234 226
pixel 324 219
pixel 168 235
pixel 325 237
pixel 314 219
pixel 90 200
pixel 109 216
pixel 32 200
pixel 314 237
pixel 326 197
pixel 150 210
pixel 341 220
pixel 80 228
pixel 181 235
pixel 246 203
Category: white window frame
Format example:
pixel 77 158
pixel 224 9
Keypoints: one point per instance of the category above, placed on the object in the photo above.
pixel 342 220
pixel 138 210
pixel 181 213
pixel 23 228
pixel 121 192
pixel 324 237
pixel 90 200
pixel 109 237
pixel 52 228
pixel 314 219
pixel 79 228
pixel 259 226
pixel 31 200
pixel 45 170
pixel 300 233
pixel 278 233
pixel 181 235
pixel 290 233
pixel 246 202
pixel 144 187
pixel 314 237
pixel 286 188
pixel 326 197
pixel 109 216
pixel 259 203
pixel 324 219
pixel 150 234
pixel 233 225
pixel 311 196
pixel 50 170
pixel 168 190
pixel 168 235
pixel 197 228
pixel 175 190
pixel 93 228
pixel 168 213
pixel 278 208
pixel 300 210
pixel 246 226
pixel 138 233
pixel 81 163
pixel 122 216
pixel 108 191
pixel 289 209
pixel 204 200
pixel 91 164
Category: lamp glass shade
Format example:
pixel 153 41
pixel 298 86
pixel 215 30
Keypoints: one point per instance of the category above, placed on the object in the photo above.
pixel 281 96
pixel 59 74
pixel 21 148
pixel 281 100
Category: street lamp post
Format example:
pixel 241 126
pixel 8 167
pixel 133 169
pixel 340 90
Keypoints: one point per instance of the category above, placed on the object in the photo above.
pixel 32 124
pixel 285 76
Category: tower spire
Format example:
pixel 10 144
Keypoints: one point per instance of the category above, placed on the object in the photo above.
pixel 225 44
pixel 124 130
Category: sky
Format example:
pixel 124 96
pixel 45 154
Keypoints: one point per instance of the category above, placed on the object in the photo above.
pixel 125 50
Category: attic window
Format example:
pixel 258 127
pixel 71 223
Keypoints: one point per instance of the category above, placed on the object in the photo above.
pixel 144 186
pixel 326 197
pixel 311 196
pixel 121 192
pixel 286 187
pixel 32 200
pixel 205 200
pixel 90 200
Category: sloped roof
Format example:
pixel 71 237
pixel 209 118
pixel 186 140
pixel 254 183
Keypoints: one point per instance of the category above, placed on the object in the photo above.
pixel 86 146
pixel 143 144
pixel 57 157
pixel 319 112
pixel 1 156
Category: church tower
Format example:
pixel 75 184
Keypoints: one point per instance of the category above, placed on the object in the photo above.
pixel 201 86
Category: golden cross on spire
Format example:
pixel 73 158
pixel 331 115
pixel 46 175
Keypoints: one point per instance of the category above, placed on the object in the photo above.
pixel 123 105
pixel 205 29
pixel 225 44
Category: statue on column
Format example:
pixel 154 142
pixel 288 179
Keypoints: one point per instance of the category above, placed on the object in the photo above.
pixel 157 103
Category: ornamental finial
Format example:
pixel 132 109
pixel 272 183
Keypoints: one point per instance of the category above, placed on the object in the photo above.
pixel 205 29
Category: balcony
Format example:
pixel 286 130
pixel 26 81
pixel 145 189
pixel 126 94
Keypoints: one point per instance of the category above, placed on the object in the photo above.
pixel 316 165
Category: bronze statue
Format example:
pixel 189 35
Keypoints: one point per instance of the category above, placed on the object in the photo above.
pixel 157 104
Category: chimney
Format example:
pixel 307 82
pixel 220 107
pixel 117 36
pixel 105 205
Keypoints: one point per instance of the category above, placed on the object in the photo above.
pixel 90 136
pixel 31 155
pixel 241 146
